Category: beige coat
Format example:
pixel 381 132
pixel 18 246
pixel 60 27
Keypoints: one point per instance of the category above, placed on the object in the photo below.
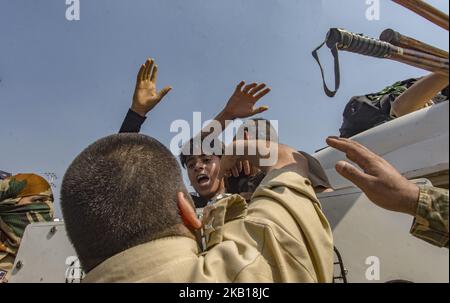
pixel 281 236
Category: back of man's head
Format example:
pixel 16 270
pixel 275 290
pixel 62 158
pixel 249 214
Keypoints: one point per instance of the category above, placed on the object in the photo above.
pixel 121 192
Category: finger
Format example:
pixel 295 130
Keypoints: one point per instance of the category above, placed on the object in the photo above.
pixel 154 74
pixel 338 144
pixel 353 174
pixel 247 168
pixel 246 137
pixel 354 151
pixel 357 144
pixel 162 93
pixel 144 76
pixel 240 86
pixel 148 69
pixel 239 166
pixel 235 172
pixel 262 94
pixel 222 173
pixel 260 109
pixel 256 89
pixel 249 87
pixel 345 144
pixel 140 73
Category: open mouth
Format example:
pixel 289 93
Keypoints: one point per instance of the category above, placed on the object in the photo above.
pixel 203 179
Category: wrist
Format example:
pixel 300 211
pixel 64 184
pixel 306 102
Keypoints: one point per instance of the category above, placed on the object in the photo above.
pixel 412 200
pixel 223 117
pixel 408 198
pixel 141 112
pixel 225 114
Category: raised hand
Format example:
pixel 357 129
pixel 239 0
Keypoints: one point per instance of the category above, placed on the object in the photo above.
pixel 379 180
pixel 232 164
pixel 243 165
pixel 242 102
pixel 146 97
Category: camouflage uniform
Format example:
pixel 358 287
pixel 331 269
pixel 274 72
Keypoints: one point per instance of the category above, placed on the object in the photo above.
pixel 431 221
pixel 14 217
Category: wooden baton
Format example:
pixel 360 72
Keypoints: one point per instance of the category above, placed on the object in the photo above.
pixel 395 38
pixel 426 11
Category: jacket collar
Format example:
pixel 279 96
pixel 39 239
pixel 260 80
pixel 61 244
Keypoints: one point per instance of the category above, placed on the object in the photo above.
pixel 216 215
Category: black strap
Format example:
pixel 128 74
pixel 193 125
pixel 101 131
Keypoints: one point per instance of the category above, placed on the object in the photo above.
pixel 337 75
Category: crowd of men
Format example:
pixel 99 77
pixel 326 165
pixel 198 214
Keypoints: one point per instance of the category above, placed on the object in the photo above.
pixel 131 218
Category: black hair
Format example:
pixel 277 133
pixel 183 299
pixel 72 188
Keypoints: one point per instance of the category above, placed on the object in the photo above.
pixel 121 192
pixel 188 150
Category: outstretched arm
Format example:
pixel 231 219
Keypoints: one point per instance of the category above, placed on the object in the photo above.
pixel 379 180
pixel 285 203
pixel 419 94
pixel 387 188
pixel 242 104
pixel 145 97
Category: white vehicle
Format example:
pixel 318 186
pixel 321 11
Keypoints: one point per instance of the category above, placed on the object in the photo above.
pixel 375 244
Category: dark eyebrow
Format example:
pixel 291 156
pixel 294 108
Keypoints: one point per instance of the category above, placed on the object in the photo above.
pixel 190 160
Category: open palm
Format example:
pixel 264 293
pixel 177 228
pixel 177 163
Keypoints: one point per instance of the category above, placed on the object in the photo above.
pixel 146 97
pixel 242 102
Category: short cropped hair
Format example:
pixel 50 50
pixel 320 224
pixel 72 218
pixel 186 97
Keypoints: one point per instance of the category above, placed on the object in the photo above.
pixel 187 151
pixel 120 192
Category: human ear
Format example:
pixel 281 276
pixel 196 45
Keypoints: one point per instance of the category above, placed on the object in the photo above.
pixel 187 212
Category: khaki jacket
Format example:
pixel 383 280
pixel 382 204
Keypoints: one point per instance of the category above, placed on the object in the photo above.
pixel 281 236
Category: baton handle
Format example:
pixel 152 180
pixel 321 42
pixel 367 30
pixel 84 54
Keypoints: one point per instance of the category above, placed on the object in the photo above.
pixel 356 43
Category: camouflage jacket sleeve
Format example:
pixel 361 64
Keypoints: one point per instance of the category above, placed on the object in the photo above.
pixel 431 221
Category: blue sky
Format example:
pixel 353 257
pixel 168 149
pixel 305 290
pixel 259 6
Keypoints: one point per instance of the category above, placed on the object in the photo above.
pixel 65 84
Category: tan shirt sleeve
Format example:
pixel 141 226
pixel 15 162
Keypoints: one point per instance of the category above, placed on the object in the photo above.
pixel 287 199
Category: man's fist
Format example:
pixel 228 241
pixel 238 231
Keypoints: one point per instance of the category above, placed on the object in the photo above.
pixel 146 97
pixel 379 180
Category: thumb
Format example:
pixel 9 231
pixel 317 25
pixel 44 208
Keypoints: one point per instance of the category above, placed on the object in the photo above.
pixel 351 173
pixel 162 93
pixel 260 109
pixel 246 138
